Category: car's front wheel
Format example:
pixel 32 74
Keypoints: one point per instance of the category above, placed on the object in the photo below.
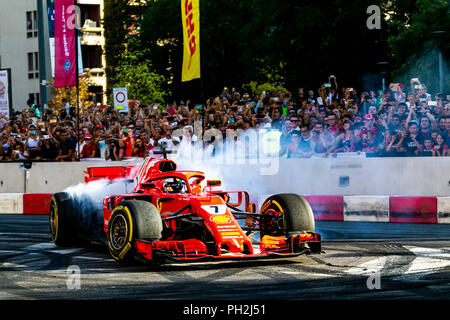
pixel 286 213
pixel 131 220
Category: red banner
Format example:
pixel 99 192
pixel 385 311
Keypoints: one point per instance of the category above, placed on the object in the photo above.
pixel 65 68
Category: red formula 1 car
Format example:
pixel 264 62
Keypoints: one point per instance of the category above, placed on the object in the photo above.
pixel 168 215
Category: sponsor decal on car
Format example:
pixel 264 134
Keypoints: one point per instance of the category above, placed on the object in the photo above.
pixel 215 208
pixel 220 219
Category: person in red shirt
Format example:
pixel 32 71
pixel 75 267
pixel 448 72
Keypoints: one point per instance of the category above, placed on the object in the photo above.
pixel 139 148
pixel 148 142
pixel 90 149
pixel 128 142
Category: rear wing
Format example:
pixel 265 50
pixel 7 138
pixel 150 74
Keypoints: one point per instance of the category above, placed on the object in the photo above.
pixel 110 173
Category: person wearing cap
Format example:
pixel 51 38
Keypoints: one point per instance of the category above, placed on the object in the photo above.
pixel 90 149
pixel 98 132
pixel 369 123
pixel 31 145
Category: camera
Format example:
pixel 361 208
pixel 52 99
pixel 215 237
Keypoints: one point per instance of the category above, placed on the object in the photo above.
pixel 164 145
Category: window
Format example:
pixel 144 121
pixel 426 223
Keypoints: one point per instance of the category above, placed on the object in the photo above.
pixel 32 24
pixel 33 65
pixel 35 97
pixel 30 61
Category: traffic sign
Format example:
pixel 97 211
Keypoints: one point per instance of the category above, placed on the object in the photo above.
pixel 120 97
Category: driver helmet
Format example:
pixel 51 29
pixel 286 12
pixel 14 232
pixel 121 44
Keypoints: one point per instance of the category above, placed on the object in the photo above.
pixel 174 185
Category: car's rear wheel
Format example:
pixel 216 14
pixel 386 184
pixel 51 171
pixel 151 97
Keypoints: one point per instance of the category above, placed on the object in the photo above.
pixel 62 229
pixel 286 213
pixel 131 220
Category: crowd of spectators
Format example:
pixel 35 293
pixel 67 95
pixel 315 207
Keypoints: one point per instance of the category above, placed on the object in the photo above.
pixel 399 121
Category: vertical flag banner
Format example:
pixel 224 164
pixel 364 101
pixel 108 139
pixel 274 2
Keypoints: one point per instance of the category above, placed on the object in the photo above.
pixel 51 32
pixel 190 19
pixel 5 92
pixel 65 68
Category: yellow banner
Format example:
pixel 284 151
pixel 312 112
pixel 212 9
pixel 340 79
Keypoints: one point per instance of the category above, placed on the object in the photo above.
pixel 190 18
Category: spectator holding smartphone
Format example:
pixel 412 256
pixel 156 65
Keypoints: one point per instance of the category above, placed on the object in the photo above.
pixel 31 144
pixel 139 148
pixel 409 140
pixel 128 141
pixel 48 148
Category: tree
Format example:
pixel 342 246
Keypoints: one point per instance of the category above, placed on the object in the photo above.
pixel 135 73
pixel 414 51
pixel 70 93
pixel 299 43
pixel 119 24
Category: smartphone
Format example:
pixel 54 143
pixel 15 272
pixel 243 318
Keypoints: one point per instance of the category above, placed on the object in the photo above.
pixel 327 85
pixel 53 120
pixel 198 107
pixel 432 103
pixel 417 86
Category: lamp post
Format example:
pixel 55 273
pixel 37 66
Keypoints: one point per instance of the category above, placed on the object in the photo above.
pixel 42 66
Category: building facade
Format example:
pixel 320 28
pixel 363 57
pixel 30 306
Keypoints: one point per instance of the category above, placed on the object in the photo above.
pixel 19 49
pixel 92 46
pixel 25 49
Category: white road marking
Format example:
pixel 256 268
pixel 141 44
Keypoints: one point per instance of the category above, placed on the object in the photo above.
pixel 428 259
pixel 369 267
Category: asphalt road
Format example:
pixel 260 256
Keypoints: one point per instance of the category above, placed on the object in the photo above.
pixel 361 261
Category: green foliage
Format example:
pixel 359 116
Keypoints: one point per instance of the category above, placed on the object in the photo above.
pixel 413 45
pixel 135 73
pixel 297 43
pixel 254 88
pixel 128 63
pixel 293 43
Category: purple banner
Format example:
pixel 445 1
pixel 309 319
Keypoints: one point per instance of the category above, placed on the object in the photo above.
pixel 65 68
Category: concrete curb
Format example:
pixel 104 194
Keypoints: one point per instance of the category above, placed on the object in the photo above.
pixel 25 203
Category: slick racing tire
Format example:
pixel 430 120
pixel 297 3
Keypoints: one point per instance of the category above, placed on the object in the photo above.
pixel 288 213
pixel 131 220
pixel 62 228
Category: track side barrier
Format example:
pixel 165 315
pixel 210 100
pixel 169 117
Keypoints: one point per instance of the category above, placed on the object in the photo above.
pixel 327 208
pixel 443 210
pixel 366 208
pixel 36 203
pixel 413 209
pixel 11 203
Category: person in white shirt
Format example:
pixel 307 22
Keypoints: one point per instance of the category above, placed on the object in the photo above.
pixel 31 144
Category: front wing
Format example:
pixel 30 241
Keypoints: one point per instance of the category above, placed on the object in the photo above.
pixel 193 250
